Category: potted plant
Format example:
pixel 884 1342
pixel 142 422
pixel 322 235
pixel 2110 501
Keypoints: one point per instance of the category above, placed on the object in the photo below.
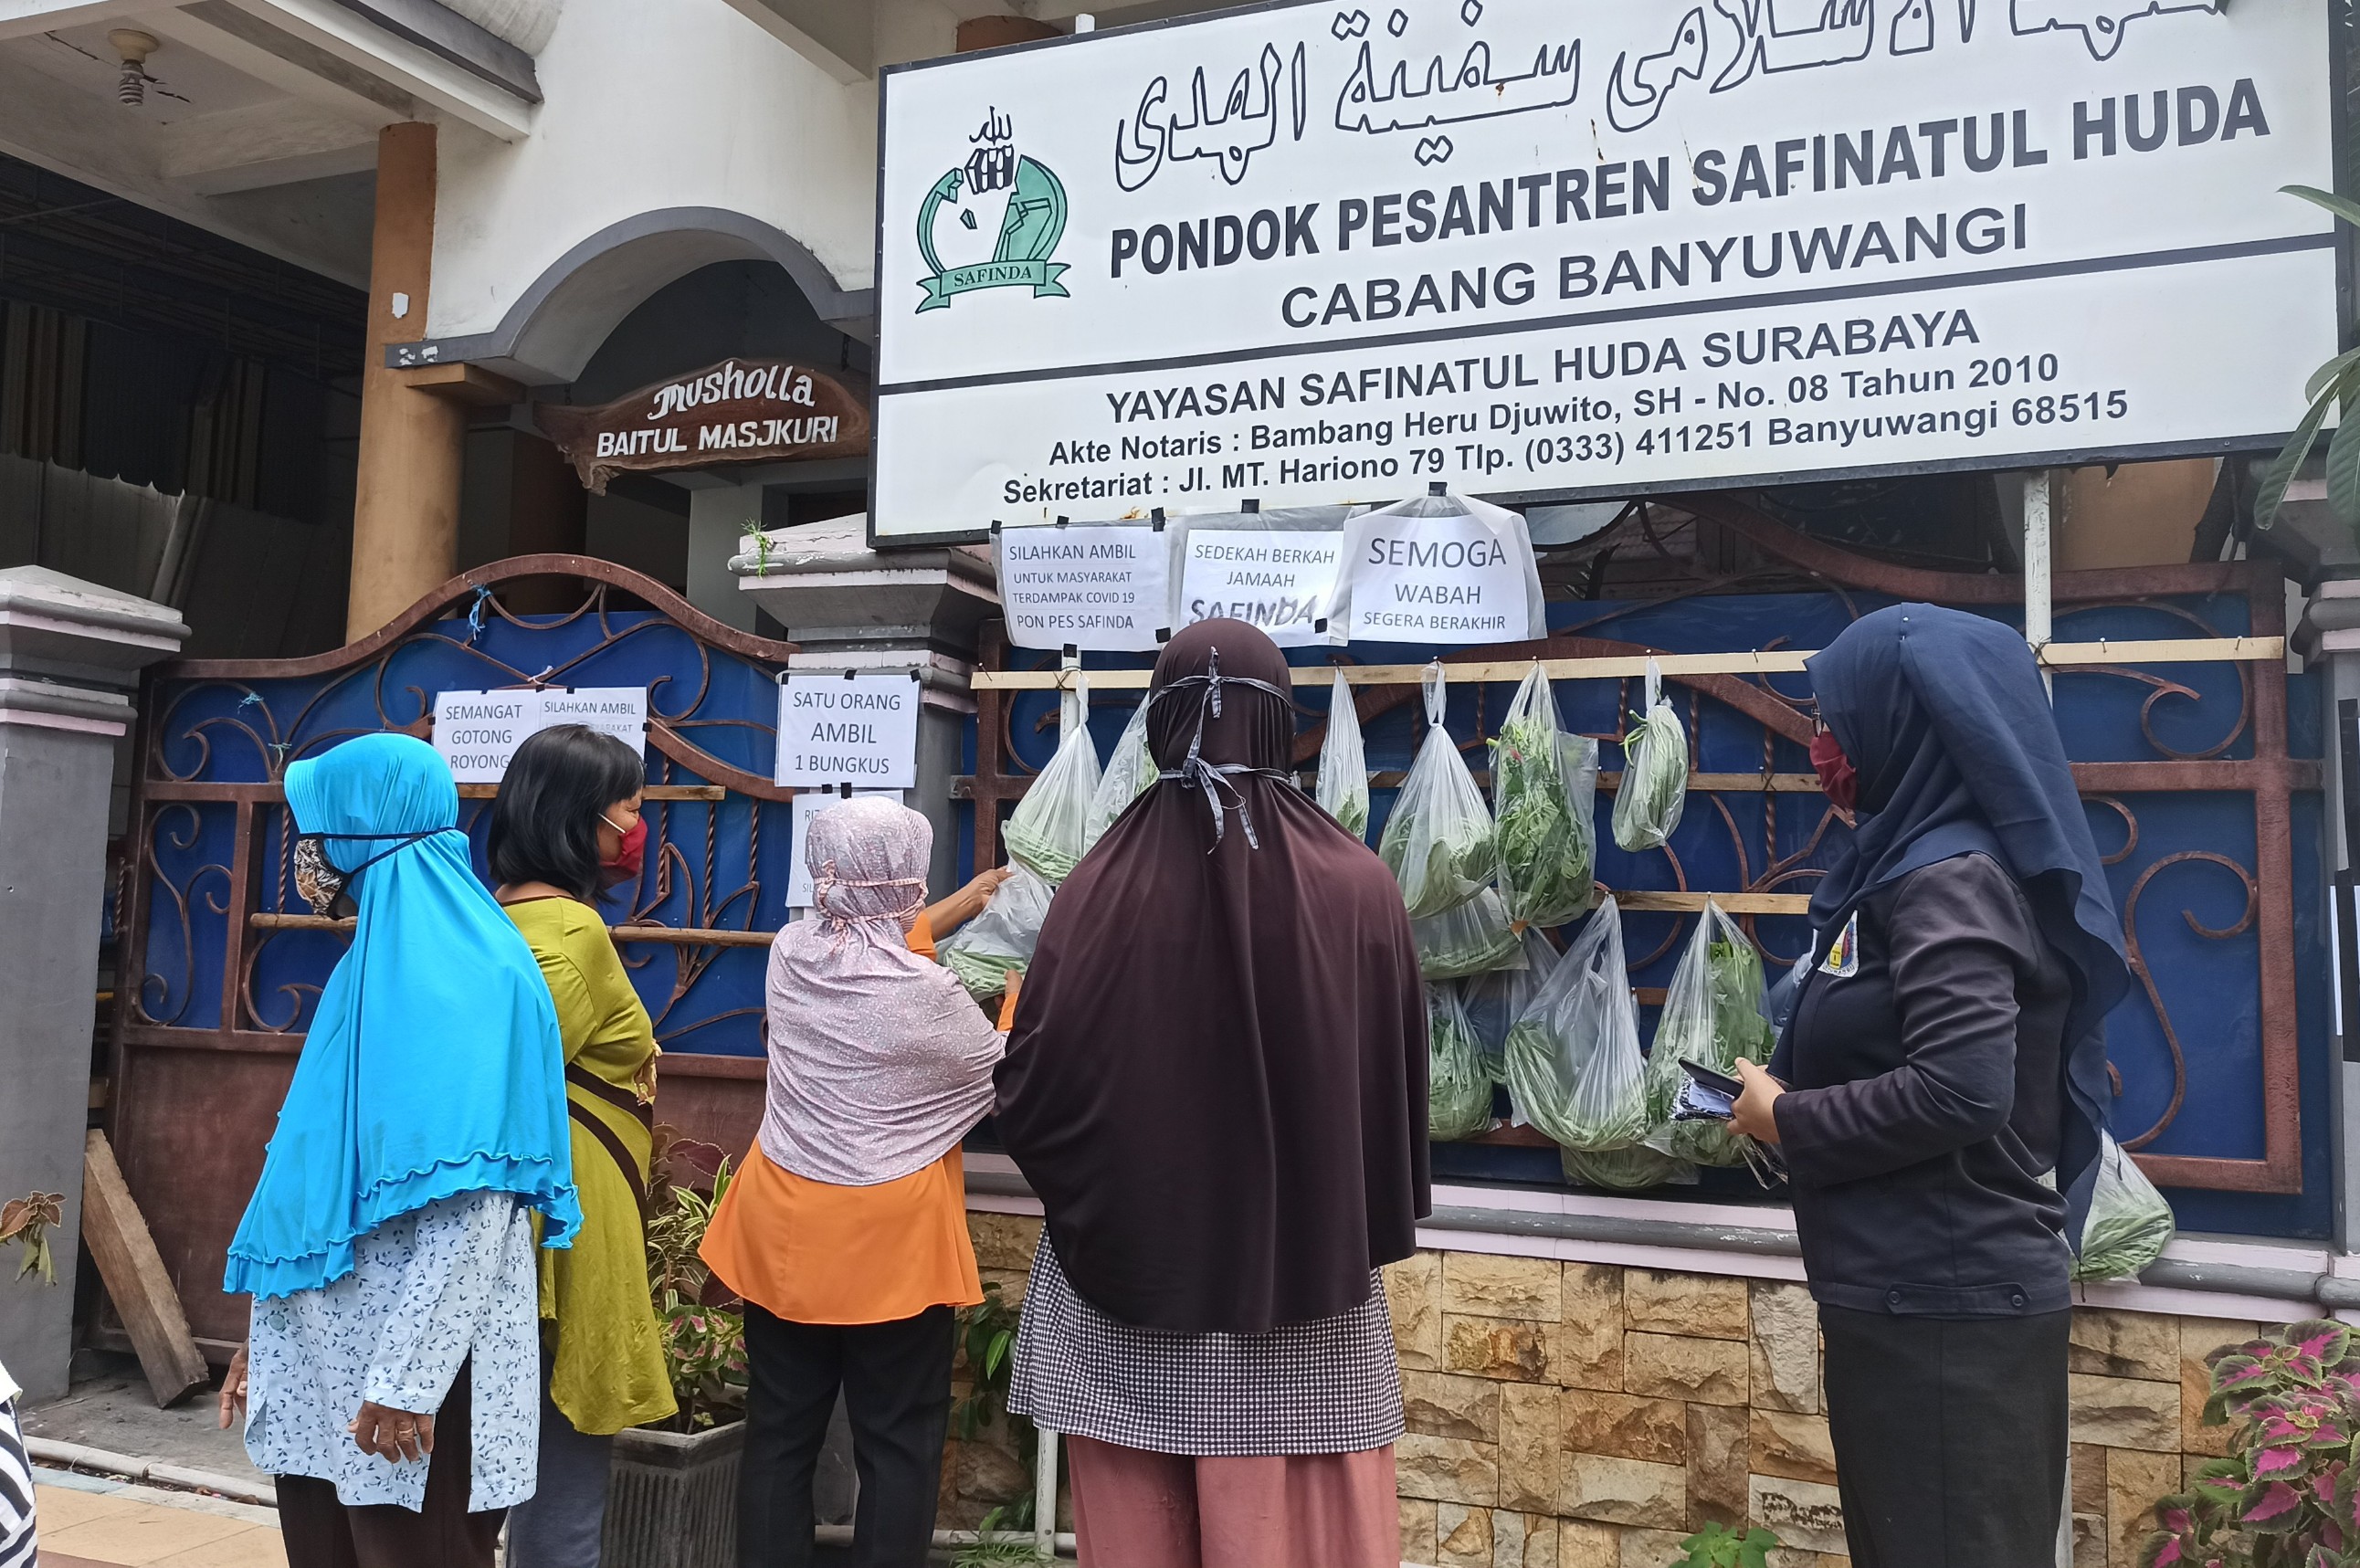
pixel 2287 1495
pixel 673 1500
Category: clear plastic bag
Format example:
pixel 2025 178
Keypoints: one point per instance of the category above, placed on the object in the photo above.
pixel 2129 1223
pixel 1713 1015
pixel 1472 938
pixel 1439 840
pixel 1128 774
pixel 1625 1170
pixel 1574 1066
pixel 982 952
pixel 1497 999
pixel 1050 827
pixel 1457 1090
pixel 1544 788
pixel 1654 772
pixel 1344 763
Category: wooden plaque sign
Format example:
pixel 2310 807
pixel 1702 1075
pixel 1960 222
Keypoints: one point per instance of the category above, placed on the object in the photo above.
pixel 741 410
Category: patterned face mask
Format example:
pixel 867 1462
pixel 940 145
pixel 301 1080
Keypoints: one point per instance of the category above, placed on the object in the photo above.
pixel 319 881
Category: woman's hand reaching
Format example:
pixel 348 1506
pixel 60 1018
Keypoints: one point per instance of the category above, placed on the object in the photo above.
pixel 233 1389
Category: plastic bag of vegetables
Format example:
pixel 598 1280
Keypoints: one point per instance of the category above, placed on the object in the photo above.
pixel 1654 772
pixel 1050 827
pixel 1438 841
pixel 1472 938
pixel 982 952
pixel 1496 1000
pixel 1712 1016
pixel 1343 790
pixel 1457 1090
pixel 1544 788
pixel 1574 1067
pixel 1126 779
pixel 2129 1223
pixel 1625 1170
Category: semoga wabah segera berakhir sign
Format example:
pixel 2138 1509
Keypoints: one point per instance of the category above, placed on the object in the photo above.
pixel 1321 253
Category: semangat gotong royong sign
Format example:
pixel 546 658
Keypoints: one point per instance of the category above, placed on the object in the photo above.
pixel 741 410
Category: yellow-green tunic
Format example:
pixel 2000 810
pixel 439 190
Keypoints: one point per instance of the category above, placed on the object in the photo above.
pixel 609 1372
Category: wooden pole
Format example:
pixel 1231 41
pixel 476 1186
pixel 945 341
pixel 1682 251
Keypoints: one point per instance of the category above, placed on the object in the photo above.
pixel 2039 555
pixel 406 514
pixel 135 1279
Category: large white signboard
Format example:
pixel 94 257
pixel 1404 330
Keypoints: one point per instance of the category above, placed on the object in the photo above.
pixel 859 730
pixel 1330 252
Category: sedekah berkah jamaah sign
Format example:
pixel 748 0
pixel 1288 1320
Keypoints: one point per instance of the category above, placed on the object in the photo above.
pixel 1325 253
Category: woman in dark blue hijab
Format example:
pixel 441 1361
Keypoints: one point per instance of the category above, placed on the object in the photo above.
pixel 1940 1089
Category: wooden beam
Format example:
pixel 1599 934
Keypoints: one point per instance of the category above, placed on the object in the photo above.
pixel 143 1294
pixel 1632 900
pixel 470 384
pixel 1779 661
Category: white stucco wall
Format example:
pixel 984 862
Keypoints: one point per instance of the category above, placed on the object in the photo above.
pixel 685 103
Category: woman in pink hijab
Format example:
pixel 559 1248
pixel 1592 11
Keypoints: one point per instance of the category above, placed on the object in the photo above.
pixel 846 1228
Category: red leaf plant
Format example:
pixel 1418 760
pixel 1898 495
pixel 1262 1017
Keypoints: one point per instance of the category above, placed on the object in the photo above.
pixel 2288 1495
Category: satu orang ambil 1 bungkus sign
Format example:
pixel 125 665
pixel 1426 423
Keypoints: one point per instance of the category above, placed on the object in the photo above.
pixel 1335 250
pixel 741 410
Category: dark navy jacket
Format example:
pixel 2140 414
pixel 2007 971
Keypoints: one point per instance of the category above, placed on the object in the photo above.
pixel 1922 1065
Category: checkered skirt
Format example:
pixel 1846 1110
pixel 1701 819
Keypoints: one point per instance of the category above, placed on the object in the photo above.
pixel 1329 1386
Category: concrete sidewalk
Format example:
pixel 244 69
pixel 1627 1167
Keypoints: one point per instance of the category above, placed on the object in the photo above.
pixel 91 1521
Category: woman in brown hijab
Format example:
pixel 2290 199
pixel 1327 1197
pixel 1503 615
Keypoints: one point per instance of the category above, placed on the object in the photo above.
pixel 1217 1085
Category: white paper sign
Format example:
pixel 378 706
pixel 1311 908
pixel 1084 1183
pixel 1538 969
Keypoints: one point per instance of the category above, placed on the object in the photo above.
pixel 476 732
pixel 801 811
pixel 858 731
pixel 1282 580
pixel 1102 588
pixel 1568 249
pixel 618 711
pixel 1443 579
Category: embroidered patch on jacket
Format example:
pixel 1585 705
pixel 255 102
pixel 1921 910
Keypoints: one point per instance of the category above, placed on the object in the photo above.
pixel 1843 955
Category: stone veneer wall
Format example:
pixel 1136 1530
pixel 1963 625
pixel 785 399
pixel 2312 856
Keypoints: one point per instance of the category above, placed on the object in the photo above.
pixel 1585 1415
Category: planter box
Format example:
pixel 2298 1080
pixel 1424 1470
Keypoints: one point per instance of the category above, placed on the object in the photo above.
pixel 673 1500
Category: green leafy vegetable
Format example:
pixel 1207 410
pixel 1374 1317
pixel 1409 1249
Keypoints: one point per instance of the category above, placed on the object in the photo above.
pixel 1573 1062
pixel 1458 1091
pixel 1712 1016
pixel 1472 938
pixel 1126 779
pixel 1049 829
pixel 1654 774
pixel 1624 1170
pixel 1542 795
pixel 2129 1224
pixel 1438 842
pixel 984 950
pixel 1343 791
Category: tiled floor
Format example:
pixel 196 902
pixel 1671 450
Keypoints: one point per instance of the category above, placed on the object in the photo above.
pixel 85 1521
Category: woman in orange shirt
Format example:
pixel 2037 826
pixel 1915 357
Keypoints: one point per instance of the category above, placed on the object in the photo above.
pixel 846 1228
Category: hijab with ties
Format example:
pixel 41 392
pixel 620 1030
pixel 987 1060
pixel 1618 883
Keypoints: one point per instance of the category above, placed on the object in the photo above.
pixel 1944 718
pixel 1217 1078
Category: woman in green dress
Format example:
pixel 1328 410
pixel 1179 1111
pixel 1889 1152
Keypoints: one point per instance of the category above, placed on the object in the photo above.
pixel 567 824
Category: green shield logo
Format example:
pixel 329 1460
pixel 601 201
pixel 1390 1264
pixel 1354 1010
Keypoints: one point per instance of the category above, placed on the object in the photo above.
pixel 1029 233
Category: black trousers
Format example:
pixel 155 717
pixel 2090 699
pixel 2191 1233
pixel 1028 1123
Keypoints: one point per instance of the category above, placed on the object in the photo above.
pixel 1949 1437
pixel 896 1378
pixel 321 1532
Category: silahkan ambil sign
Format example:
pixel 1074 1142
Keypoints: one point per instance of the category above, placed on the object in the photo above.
pixel 1320 252
pixel 741 410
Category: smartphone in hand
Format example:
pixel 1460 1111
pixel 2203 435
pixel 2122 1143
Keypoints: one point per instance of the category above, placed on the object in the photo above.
pixel 1705 1095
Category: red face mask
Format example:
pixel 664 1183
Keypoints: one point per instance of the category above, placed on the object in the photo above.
pixel 628 859
pixel 1837 776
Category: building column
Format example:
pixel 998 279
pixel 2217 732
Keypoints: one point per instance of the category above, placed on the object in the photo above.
pixel 70 654
pixel 406 517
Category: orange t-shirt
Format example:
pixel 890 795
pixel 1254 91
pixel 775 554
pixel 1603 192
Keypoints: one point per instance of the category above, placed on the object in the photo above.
pixel 813 1252
pixel 922 935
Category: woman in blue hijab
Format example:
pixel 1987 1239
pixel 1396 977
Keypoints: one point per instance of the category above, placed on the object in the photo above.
pixel 1940 1086
pixel 394 1362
